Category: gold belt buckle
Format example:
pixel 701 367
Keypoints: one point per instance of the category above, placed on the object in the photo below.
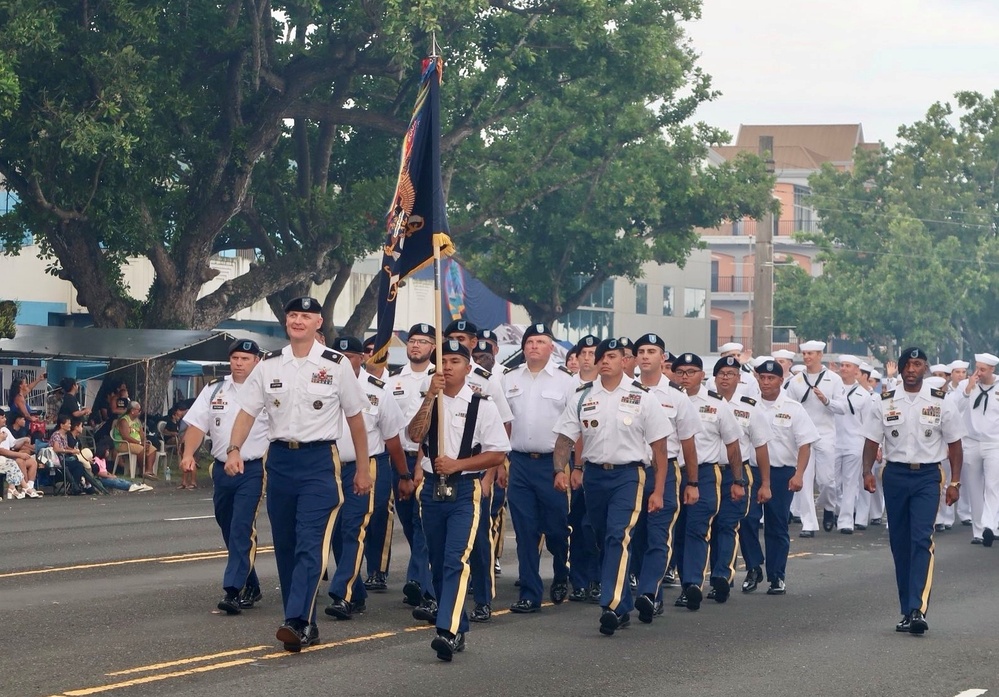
pixel 914 465
pixel 607 466
pixel 293 445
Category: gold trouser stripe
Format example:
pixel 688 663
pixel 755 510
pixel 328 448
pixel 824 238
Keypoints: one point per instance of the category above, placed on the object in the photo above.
pixel 466 570
pixel 621 581
pixel 386 555
pixel 499 523
pixel 362 533
pixel 256 512
pixel 328 536
pixel 924 597
pixel 676 515
pixel 745 511
pixel 711 520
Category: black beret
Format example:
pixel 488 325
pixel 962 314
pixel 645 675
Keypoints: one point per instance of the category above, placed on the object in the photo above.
pixel 348 344
pixel 538 329
pixel 688 359
pixel 482 346
pixel 770 368
pixel 369 343
pixel 587 341
pixel 910 353
pixel 463 326
pixel 453 347
pixel 304 304
pixel 626 343
pixel 650 340
pixel 608 345
pixel 422 329
pixel 488 335
pixel 726 362
pixel 244 346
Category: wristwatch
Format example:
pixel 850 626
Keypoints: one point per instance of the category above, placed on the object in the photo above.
pixel 231 448
pixel 744 482
pixel 691 482
pixel 956 485
pixel 406 477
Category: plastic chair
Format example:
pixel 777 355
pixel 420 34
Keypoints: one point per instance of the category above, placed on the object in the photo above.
pixel 167 447
pixel 132 459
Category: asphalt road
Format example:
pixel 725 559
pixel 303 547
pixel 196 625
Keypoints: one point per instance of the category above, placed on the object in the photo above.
pixel 116 595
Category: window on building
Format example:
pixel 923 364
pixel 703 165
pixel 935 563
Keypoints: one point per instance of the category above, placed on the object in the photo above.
pixel 601 297
pixel 694 302
pixel 804 215
pixel 595 314
pixel 641 299
pixel 668 301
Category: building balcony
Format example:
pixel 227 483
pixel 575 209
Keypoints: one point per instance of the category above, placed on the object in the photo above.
pixel 731 285
pixel 748 228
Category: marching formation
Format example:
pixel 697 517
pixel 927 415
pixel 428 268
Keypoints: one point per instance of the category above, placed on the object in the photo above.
pixel 634 471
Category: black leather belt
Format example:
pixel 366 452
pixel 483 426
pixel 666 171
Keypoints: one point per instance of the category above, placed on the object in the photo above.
pixel 913 465
pixel 670 462
pixel 608 466
pixel 412 453
pixel 707 464
pixel 295 445
pixel 533 456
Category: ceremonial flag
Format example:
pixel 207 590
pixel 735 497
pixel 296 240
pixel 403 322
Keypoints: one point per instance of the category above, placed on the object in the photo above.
pixel 418 213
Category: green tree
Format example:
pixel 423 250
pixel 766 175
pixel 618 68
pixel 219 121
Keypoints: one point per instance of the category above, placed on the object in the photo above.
pixel 909 238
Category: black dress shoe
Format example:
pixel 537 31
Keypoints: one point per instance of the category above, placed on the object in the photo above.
pixel 497 569
pixel 794 519
pixel 595 592
pixel 939 527
pixel 753 578
pixel 296 633
pixel 694 597
pixel 777 587
pixel 646 606
pixel 516 584
pixel 846 531
pixel 669 579
pixel 427 611
pixel 633 582
pixel 412 593
pixel 230 604
pixel 807 533
pixel 446 647
pixel 376 582
pixel 903 625
pixel 248 597
pixel 875 521
pixel 988 537
pixel 558 592
pixel 828 520
pixel 966 522
pixel 917 622
pixel 579 595
pixel 681 600
pixel 344 610
pixel 858 526
pixel 481 613
pixel 977 540
pixel 711 595
pixel 720 589
pixel 524 606
pixel 610 621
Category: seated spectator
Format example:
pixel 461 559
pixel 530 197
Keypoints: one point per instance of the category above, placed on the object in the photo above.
pixel 116 403
pixel 129 436
pixel 17 398
pixel 172 437
pixel 69 457
pixel 18 426
pixel 26 464
pixel 99 467
pixel 71 400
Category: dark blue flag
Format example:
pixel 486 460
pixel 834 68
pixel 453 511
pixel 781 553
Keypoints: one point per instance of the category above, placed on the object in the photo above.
pixel 418 210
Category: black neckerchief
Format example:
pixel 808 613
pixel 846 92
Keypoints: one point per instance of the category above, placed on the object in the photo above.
pixel 983 398
pixel 804 376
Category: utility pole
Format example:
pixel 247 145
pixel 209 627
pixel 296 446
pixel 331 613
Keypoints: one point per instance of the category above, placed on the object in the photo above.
pixel 763 281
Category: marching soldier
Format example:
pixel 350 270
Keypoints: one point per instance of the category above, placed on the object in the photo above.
pixel 616 418
pixel 383 421
pixel 584 572
pixel 303 389
pixel 235 498
pixel 850 442
pixel 475 441
pixel 919 428
pixel 378 539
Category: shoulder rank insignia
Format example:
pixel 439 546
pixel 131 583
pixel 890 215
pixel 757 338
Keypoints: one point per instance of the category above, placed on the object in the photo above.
pixel 584 386
pixel 939 394
pixel 748 400
pixel 508 370
pixel 214 381
pixel 271 354
pixel 675 386
pixel 888 395
pixel 565 370
pixel 332 356
pixel 636 383
pixel 375 381
pixel 482 372
pixel 432 371
pixel 394 372
pixel 712 393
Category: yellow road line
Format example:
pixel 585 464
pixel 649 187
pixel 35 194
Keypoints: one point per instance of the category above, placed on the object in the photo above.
pixel 185 661
pixel 155 678
pixel 169 559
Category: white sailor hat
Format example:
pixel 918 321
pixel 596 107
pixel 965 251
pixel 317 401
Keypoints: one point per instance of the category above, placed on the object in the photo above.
pixel 875 375
pixel 935 382
pixel 812 346
pixel 731 346
pixel 849 358
pixel 797 368
pixel 784 353
pixel 986 358
pixel 757 362
pixel 866 367
pixel 940 368
pixel 958 365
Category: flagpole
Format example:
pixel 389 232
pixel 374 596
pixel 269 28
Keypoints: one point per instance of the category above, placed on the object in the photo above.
pixel 439 340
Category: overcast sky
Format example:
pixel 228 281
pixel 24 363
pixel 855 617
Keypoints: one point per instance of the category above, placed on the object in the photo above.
pixel 880 63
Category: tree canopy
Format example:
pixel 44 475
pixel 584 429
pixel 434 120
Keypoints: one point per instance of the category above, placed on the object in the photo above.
pixel 178 129
pixel 909 235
